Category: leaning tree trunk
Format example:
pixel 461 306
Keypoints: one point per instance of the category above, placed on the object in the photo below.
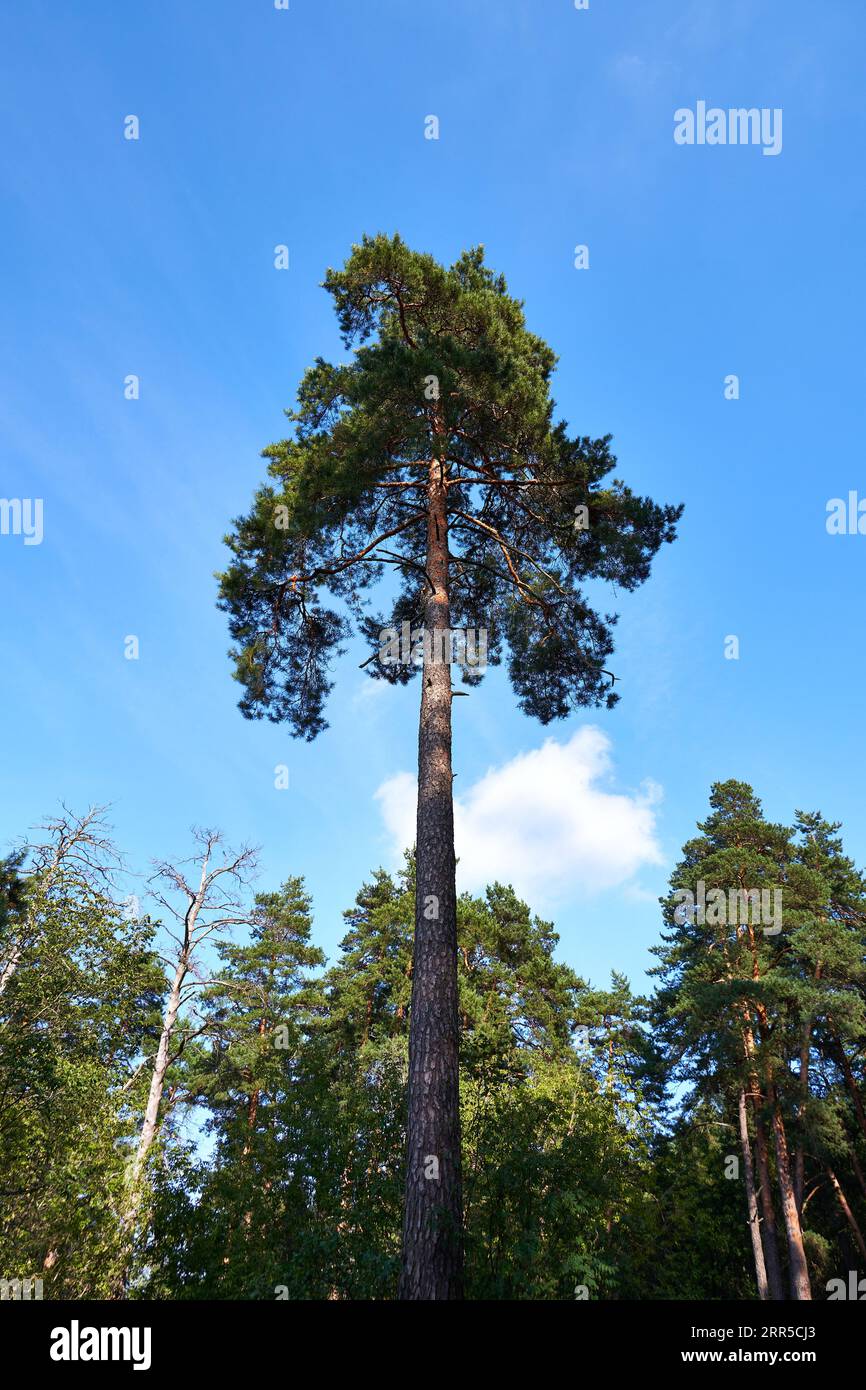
pixel 132 1196
pixel 10 967
pixel 848 1213
pixel 151 1115
pixel 752 1200
pixel 841 1057
pixel 432 1218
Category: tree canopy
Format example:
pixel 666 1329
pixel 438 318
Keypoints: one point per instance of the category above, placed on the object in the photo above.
pixel 533 513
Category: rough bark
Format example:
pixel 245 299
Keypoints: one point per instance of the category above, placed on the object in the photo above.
pixel 768 1231
pixel 432 1223
pixel 752 1201
pixel 771 1243
pixel 798 1269
pixel 769 1235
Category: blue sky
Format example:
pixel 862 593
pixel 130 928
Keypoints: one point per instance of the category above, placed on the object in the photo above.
pixel 155 257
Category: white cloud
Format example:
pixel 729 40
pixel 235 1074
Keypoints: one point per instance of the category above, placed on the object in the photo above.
pixel 371 692
pixel 545 822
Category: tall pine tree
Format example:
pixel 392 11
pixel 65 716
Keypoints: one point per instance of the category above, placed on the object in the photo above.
pixel 433 453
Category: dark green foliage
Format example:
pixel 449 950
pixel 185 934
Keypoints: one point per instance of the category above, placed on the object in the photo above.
pixel 555 1149
pixel 740 1006
pixel 689 1238
pixel 598 1128
pixel 347 498
pixel 81 1004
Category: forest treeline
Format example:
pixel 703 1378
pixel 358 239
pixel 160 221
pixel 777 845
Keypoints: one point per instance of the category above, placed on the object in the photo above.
pixel 194 1104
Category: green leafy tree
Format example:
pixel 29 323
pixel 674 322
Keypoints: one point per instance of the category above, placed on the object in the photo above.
pixel 77 1011
pixel 202 906
pixel 251 1201
pixel 303 1192
pixel 685 1237
pixel 433 453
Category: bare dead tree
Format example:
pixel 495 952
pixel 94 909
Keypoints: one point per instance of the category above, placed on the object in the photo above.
pixel 203 896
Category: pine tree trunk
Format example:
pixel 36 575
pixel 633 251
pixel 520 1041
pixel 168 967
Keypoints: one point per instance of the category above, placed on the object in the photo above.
pixel 849 1215
pixel 752 1200
pixel 853 1089
pixel 252 1114
pixel 768 1232
pixel 858 1171
pixel 798 1269
pixel 770 1239
pixel 800 1152
pixel 432 1219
